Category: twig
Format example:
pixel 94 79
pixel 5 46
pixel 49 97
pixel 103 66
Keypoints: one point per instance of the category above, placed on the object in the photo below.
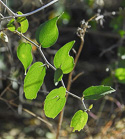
pixel 114 100
pixel 31 113
pixel 92 115
pixel 27 14
pixel 84 104
pixel 77 76
pixel 4 91
pixel 75 96
pixel 81 33
pixel 7 8
pixel 11 79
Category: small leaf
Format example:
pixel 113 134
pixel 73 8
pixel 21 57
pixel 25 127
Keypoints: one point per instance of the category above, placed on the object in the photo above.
pixel 47 33
pixel 96 92
pixel 11 25
pixel 23 22
pixel 34 80
pixel 3 36
pixel 121 33
pixel 79 120
pixel 54 102
pixel 120 75
pixel 58 76
pixel 62 59
pixel 108 81
pixel 24 54
pixel 91 106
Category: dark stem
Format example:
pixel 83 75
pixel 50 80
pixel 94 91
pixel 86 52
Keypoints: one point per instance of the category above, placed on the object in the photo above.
pixel 69 86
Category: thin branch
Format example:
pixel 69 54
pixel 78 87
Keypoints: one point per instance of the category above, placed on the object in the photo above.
pixel 119 43
pixel 68 89
pixel 81 33
pixel 77 76
pixel 93 115
pixel 75 96
pixel 84 105
pixel 9 10
pixel 27 14
pixel 31 113
pixel 4 91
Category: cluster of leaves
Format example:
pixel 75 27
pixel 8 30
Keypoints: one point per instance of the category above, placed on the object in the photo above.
pixel 117 69
pixel 46 36
pixel 120 70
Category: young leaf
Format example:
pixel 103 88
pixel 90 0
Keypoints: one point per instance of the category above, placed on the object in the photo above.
pixel 120 75
pixel 23 22
pixel 54 102
pixel 96 92
pixel 58 76
pixel 24 54
pixel 62 59
pixel 47 33
pixel 34 79
pixel 91 106
pixel 11 25
pixel 79 120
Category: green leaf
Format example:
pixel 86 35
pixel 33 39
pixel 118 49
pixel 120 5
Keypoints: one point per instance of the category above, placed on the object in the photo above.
pixel 47 33
pixel 91 106
pixel 108 81
pixel 23 22
pixel 34 80
pixel 24 54
pixel 121 33
pixel 62 59
pixel 54 102
pixel 79 120
pixel 58 76
pixel 11 25
pixel 96 92
pixel 120 75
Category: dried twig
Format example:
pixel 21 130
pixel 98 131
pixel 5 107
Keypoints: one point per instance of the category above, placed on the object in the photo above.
pixel 26 110
pixel 14 15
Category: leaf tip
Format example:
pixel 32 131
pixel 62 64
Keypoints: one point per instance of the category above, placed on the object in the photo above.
pixel 56 83
pixel 60 15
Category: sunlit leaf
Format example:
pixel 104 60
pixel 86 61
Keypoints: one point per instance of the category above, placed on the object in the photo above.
pixel 122 33
pixel 120 75
pixel 54 102
pixel 47 33
pixel 11 25
pixel 63 60
pixel 24 54
pixel 23 22
pixel 34 80
pixel 58 76
pixel 91 106
pixel 79 120
pixel 96 92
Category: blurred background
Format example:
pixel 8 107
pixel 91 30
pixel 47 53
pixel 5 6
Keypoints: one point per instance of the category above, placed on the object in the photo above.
pixel 102 54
